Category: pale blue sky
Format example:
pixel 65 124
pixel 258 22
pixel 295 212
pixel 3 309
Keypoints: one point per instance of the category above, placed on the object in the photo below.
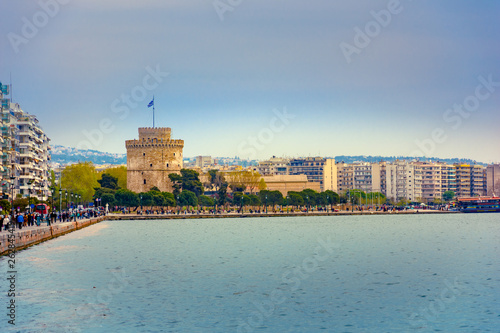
pixel 225 77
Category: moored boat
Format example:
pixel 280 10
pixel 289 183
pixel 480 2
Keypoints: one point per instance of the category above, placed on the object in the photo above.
pixel 479 205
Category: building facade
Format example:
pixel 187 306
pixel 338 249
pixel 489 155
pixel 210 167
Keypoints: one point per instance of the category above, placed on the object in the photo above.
pixel 493 180
pixel 152 158
pixel 24 165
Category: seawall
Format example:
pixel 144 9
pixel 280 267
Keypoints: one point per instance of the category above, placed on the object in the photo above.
pixel 31 236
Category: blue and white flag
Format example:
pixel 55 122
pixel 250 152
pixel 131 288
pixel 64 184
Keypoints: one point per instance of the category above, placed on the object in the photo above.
pixel 152 103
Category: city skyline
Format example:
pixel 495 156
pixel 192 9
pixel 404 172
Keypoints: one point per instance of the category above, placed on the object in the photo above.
pixel 258 79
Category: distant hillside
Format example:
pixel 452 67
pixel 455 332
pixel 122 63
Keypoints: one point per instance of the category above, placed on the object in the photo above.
pixel 66 155
pixel 363 158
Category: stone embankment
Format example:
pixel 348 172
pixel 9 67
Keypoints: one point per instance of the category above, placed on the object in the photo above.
pixel 29 236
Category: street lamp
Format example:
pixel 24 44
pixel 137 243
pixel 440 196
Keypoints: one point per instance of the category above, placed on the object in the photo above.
pixel 327 202
pixel 60 200
pixel 266 203
pixel 66 196
pixel 12 178
pixel 307 204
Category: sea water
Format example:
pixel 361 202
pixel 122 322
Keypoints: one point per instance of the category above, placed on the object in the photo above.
pixel 389 273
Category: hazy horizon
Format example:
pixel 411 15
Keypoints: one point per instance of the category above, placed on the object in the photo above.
pixel 257 79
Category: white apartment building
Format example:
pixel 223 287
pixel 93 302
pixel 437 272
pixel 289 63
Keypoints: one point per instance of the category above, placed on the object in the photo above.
pixel 25 152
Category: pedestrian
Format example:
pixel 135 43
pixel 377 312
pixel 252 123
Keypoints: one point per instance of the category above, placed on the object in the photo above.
pixel 20 221
pixel 6 221
pixel 1 222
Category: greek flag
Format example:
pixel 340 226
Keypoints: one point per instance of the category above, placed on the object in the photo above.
pixel 152 103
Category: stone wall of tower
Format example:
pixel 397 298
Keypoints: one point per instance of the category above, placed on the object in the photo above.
pixel 152 158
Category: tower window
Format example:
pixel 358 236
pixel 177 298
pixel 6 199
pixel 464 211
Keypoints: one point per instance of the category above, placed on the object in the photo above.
pixel 144 181
pixel 151 165
pixel 143 154
pixel 167 165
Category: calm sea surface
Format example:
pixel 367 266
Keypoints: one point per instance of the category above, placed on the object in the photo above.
pixel 432 273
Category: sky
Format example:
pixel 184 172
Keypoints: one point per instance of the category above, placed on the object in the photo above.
pixel 258 78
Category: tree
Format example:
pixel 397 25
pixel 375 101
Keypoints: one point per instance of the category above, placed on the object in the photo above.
pixel 169 199
pixel 295 199
pixel 332 197
pixel 176 180
pixel 158 199
pixel 108 198
pixel 262 184
pixel 254 200
pixel 448 196
pixel 191 182
pixel 206 201
pixel 188 198
pixel 309 196
pixel 126 198
pixel 108 181
pixel 5 205
pixel 120 173
pixel 271 197
pixel 80 178
pixel 222 194
pixel 20 203
pixel 146 199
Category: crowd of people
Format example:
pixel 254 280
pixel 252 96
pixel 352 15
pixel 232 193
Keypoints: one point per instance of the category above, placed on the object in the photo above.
pixel 29 219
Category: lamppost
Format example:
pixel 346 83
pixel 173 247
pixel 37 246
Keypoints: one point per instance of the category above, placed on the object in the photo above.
pixel 12 178
pixel 60 200
pixel 66 196
pixel 266 203
pixel 307 204
pixel 177 204
pixel 287 203
pixel 327 202
pixel 29 194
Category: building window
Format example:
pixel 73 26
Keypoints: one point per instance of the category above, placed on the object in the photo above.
pixel 143 154
pixel 144 181
pixel 151 165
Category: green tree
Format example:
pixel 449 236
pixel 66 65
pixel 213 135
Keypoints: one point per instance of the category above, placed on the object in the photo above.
pixel 271 197
pixel 169 199
pixel 332 197
pixel 254 200
pixel 80 178
pixel 188 198
pixel 20 203
pixel 295 199
pixel 108 181
pixel 5 205
pixel 146 199
pixel 206 201
pixel 126 198
pixel 448 196
pixel 158 199
pixel 222 194
pixel 154 189
pixel 108 198
pixel 120 173
pixel 176 180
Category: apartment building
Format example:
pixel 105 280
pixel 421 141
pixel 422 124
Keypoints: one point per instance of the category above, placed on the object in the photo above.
pixel 25 152
pixel 403 180
pixel 470 180
pixel 362 176
pixel 493 179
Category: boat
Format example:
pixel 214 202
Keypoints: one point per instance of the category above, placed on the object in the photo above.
pixel 479 205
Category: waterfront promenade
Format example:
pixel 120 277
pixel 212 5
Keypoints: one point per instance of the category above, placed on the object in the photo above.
pixel 28 236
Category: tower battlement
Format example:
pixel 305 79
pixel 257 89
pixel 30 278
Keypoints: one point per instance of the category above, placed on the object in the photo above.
pixel 154 133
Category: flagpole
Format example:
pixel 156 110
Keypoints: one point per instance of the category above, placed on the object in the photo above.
pixel 153 111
